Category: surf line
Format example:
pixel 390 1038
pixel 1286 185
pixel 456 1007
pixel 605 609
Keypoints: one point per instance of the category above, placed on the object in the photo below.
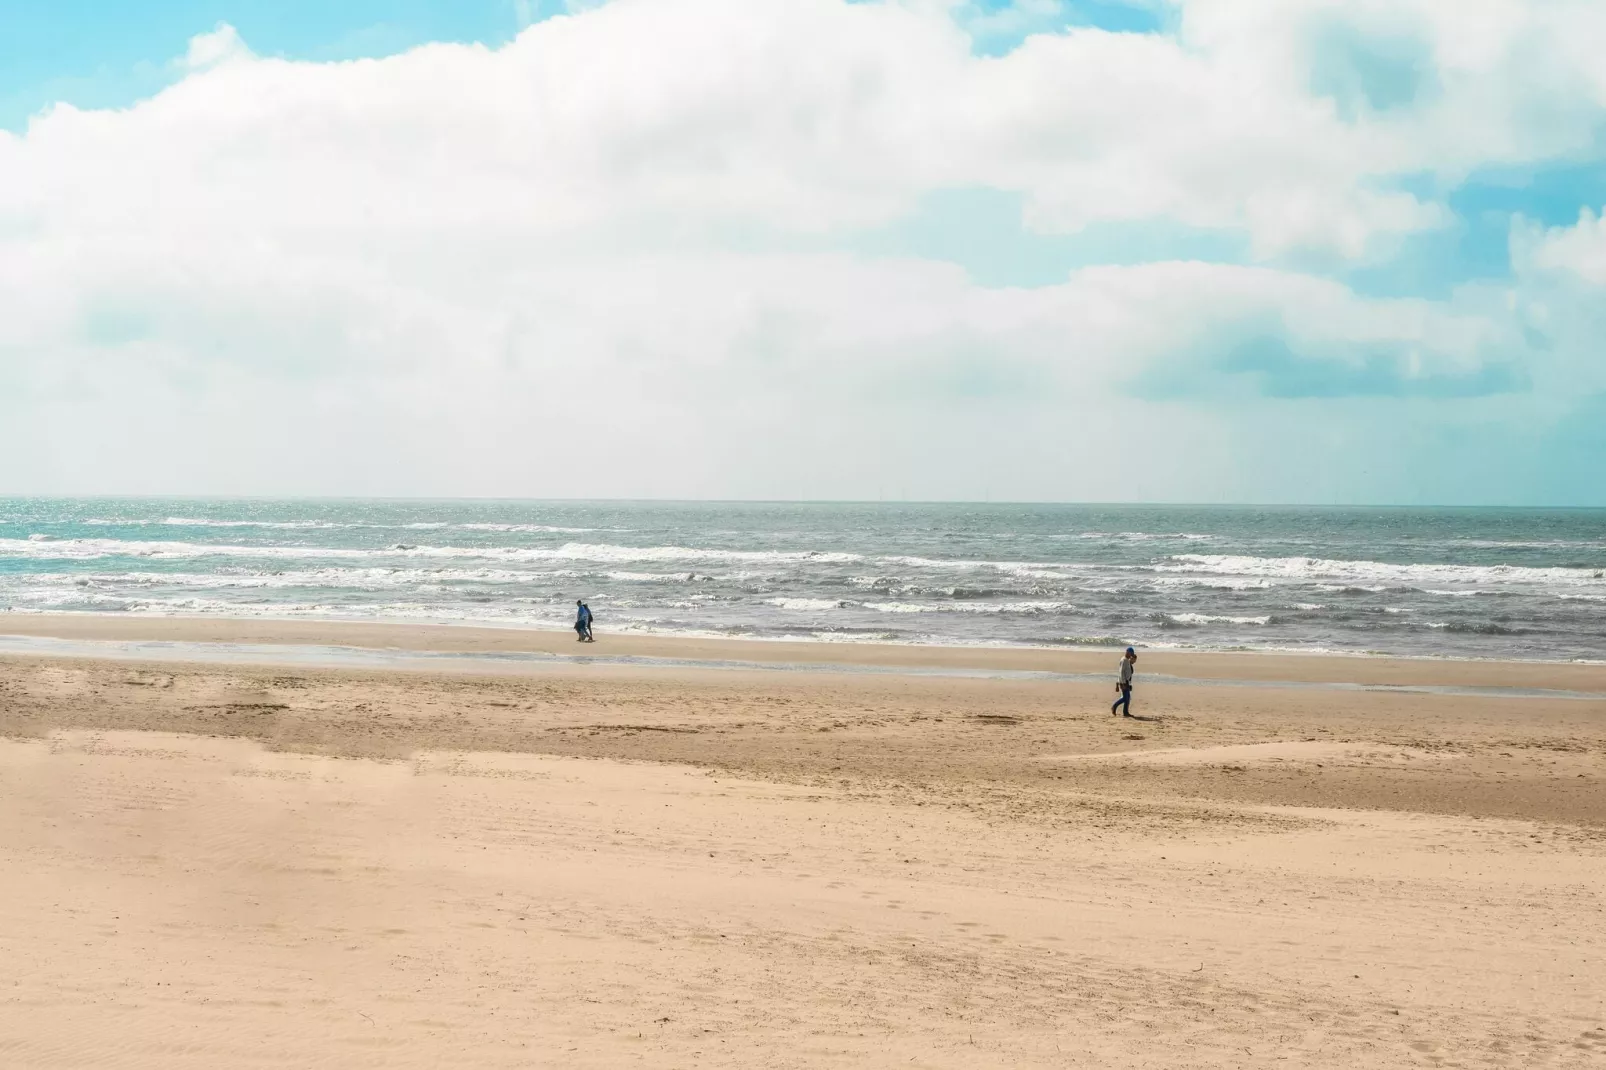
pixel 331 656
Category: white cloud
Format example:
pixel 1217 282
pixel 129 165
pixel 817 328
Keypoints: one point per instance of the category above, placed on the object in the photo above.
pixel 819 114
pixel 1560 300
pixel 477 370
pixel 442 271
pixel 1579 250
pixel 209 49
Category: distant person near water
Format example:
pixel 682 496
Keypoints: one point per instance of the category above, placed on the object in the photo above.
pixel 1124 685
pixel 582 623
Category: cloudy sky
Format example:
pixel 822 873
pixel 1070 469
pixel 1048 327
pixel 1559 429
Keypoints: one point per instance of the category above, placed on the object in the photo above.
pixel 1164 250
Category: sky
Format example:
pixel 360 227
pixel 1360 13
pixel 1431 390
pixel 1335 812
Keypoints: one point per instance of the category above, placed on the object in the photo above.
pixel 1129 250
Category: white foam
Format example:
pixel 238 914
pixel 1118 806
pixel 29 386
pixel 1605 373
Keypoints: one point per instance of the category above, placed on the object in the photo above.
pixel 196 522
pixel 647 577
pixel 539 529
pixel 1210 618
pixel 1223 583
pixel 806 604
pixel 1361 572
pixel 520 612
pixel 292 525
pixel 325 577
pixel 89 549
pixel 979 608
pixel 928 562
pixel 1031 570
pixel 576 551
pixel 1146 536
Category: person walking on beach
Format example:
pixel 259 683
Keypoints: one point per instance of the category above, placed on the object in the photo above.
pixel 1124 685
pixel 582 623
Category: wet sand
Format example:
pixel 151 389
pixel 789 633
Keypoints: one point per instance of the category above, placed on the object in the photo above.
pixel 1271 667
pixel 598 864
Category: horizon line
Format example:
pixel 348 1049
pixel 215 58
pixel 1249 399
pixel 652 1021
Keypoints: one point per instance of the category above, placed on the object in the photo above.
pixel 512 499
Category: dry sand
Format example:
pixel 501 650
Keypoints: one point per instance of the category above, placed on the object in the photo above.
pixel 601 865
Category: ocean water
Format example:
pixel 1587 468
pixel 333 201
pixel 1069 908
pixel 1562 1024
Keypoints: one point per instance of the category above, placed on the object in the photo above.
pixel 1483 583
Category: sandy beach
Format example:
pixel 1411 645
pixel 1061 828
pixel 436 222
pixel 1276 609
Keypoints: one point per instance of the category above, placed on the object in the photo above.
pixel 871 377
pixel 769 854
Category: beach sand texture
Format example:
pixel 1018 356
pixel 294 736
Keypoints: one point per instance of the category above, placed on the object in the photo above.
pixel 603 865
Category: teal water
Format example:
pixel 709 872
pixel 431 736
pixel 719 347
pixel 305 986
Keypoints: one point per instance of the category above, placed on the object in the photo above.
pixel 1491 583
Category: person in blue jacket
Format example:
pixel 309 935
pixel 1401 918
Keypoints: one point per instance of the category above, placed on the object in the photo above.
pixel 582 623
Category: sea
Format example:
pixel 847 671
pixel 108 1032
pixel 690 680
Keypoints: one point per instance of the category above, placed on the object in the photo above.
pixel 1461 583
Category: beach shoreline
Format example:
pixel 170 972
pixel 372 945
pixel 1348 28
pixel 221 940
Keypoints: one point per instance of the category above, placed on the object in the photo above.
pixel 474 640
pixel 1187 579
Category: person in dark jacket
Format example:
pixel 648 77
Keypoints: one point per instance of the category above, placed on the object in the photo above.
pixel 582 623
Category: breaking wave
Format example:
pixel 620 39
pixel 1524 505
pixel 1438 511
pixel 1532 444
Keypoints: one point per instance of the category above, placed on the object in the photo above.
pixel 1182 577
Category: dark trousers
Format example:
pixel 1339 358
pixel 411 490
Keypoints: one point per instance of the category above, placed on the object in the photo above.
pixel 1124 703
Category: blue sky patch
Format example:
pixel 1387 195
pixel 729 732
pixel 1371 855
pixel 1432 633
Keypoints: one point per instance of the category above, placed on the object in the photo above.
pixel 997 27
pixel 101 53
pixel 1369 72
